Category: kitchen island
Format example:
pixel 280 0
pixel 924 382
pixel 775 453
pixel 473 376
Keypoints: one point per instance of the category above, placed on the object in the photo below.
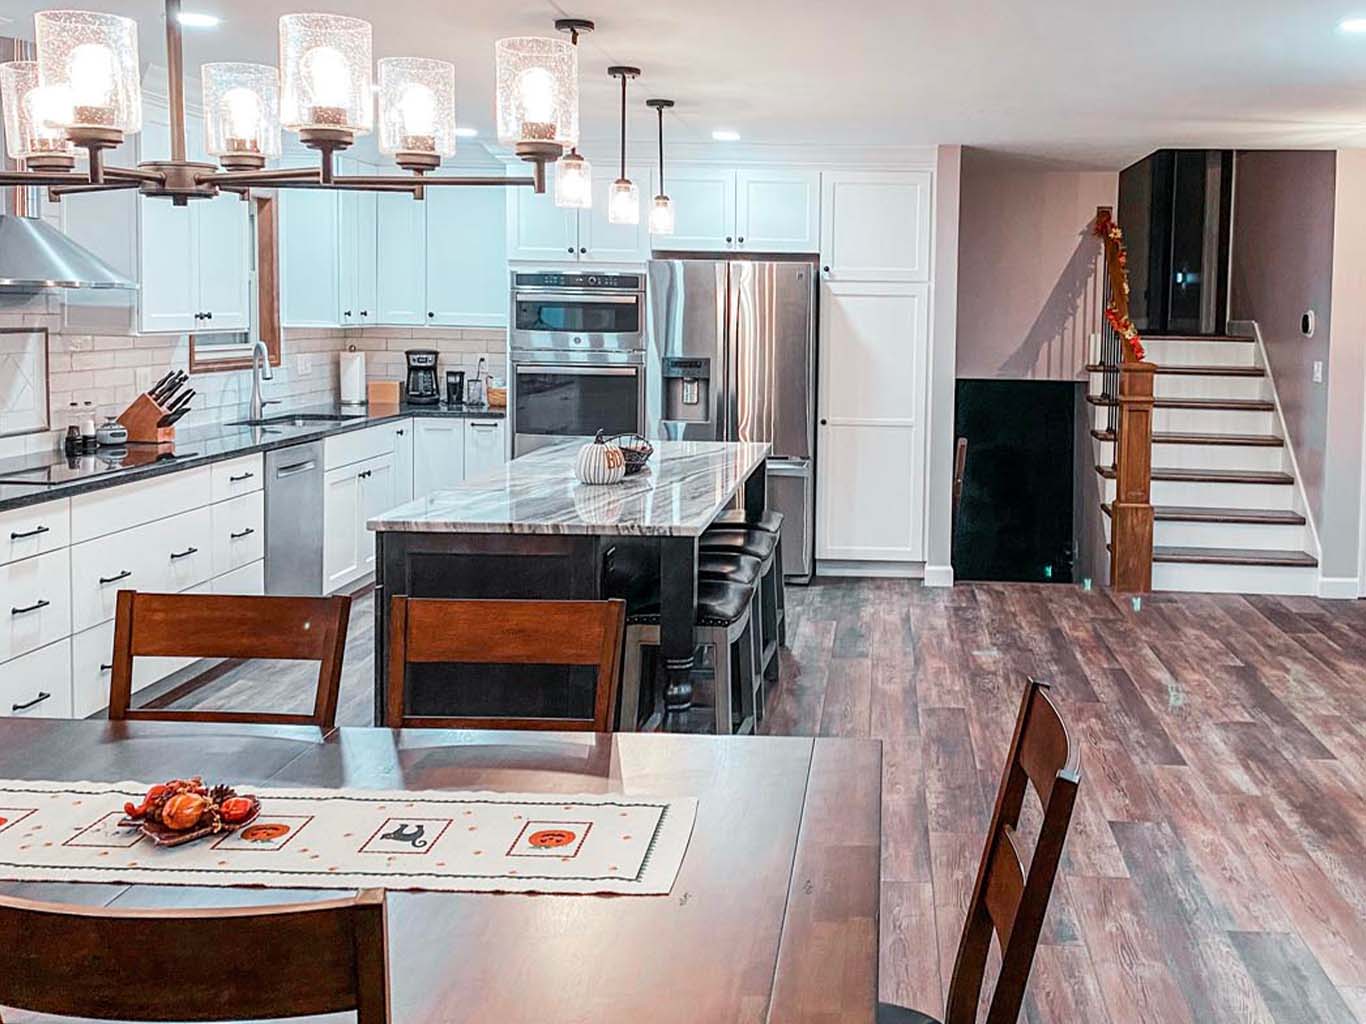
pixel 530 531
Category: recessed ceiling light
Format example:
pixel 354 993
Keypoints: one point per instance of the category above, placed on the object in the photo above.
pixel 1354 25
pixel 726 135
pixel 192 20
pixel 466 133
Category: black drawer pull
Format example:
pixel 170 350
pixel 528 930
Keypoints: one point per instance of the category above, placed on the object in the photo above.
pixel 35 532
pixel 106 668
pixel 184 554
pixel 114 579
pixel 238 536
pixel 30 608
pixel 239 479
pixel 33 703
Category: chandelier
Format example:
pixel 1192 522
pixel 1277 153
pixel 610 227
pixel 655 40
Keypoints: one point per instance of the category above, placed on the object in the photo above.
pixel 83 94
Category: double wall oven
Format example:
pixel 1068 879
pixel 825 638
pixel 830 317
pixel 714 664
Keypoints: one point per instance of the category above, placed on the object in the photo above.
pixel 577 347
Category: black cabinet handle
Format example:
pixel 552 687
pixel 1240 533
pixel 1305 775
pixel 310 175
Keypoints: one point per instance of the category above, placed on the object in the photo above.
pixel 400 433
pixel 114 579
pixel 33 703
pixel 728 239
pixel 347 313
pixel 431 316
pixel 106 668
pixel 571 249
pixel 364 312
pixel 238 536
pixel 30 608
pixel 239 479
pixel 826 269
pixel 184 554
pixel 208 316
pixel 581 251
pixel 825 422
pixel 35 532
pixel 742 239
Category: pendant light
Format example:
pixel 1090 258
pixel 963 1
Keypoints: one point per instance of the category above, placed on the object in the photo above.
pixel 623 199
pixel 574 174
pixel 662 210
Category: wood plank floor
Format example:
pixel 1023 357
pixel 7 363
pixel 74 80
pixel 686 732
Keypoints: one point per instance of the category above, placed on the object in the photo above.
pixel 1216 870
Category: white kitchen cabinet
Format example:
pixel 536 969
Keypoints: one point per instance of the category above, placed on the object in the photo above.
pixel 539 230
pixel 239 532
pixel 438 454
pixel 249 581
pixel 341 512
pixel 601 241
pixel 92 664
pixel 358 259
pixel 485 447
pixel 236 477
pixel 402 259
pixel 704 208
pixel 37 685
pixel 34 530
pixel 37 603
pixel 224 263
pixel 873 362
pixel 309 253
pixel 403 461
pixel 376 498
pixel 778 210
pixel 107 511
pixel 876 225
pixel 466 278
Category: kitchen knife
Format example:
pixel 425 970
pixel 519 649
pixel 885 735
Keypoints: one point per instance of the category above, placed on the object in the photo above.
pixel 151 392
pixel 167 389
pixel 171 419
pixel 168 392
pixel 182 400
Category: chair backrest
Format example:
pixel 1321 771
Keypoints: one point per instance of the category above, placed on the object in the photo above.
pixel 1005 901
pixel 219 626
pixel 431 631
pixel 234 963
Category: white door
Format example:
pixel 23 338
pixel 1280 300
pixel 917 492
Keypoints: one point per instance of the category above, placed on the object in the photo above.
pixel 167 254
pixel 341 513
pixel 376 498
pixel 778 210
pixel 604 242
pixel 402 255
pixel 485 447
pixel 539 230
pixel 873 359
pixel 704 209
pixel 466 257
pixel 403 461
pixel 224 263
pixel 438 454
pixel 308 256
pixel 875 226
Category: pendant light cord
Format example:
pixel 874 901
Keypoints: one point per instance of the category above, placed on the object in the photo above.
pixel 623 126
pixel 662 190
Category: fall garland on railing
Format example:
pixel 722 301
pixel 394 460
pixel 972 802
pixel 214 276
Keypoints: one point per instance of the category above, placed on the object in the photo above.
pixel 1108 231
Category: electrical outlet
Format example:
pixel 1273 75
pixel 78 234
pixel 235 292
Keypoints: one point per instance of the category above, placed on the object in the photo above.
pixel 305 364
pixel 1318 371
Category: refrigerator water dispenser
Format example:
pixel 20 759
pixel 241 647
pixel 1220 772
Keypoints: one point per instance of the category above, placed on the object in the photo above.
pixel 687 389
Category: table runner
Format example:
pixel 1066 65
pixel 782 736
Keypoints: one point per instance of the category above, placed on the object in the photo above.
pixel 347 839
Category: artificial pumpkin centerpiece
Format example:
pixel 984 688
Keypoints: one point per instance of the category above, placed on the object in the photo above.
pixel 600 462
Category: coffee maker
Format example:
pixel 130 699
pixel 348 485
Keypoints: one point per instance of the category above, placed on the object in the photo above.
pixel 422 385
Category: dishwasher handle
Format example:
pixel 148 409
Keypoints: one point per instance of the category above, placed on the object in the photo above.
pixel 294 469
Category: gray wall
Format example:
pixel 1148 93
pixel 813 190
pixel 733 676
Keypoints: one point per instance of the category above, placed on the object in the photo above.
pixel 1281 266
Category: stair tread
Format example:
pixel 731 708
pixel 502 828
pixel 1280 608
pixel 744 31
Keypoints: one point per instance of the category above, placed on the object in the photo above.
pixel 1244 516
pixel 1216 476
pixel 1234 556
pixel 1249 440
pixel 1235 404
pixel 1183 370
pixel 1197 337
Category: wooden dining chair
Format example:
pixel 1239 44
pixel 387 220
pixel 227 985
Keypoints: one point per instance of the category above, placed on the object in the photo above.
pixel 431 631
pixel 1007 901
pixel 220 626
pixel 225 963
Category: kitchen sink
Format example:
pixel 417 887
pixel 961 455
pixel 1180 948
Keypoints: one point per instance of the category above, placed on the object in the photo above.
pixel 297 420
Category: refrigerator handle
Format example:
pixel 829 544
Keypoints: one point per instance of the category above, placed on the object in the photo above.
pixel 723 334
pixel 736 284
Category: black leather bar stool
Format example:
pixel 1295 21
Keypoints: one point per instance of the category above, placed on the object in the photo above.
pixel 724 623
pixel 770 521
pixel 762 545
pixel 747 571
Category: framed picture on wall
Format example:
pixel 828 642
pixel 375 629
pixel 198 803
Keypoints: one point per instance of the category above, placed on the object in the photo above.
pixel 24 407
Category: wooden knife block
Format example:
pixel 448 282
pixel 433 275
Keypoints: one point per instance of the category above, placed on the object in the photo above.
pixel 141 419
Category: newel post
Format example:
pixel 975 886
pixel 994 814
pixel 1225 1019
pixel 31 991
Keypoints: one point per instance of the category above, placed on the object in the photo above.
pixel 1131 522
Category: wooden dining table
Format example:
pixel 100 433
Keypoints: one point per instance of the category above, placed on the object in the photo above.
pixel 773 916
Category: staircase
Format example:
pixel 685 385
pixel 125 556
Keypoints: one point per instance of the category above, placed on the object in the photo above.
pixel 1228 515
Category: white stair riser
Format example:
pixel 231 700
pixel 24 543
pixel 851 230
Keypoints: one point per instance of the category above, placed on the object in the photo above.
pixel 1169 385
pixel 1251 458
pixel 1215 495
pixel 1247 536
pixel 1234 579
pixel 1213 421
pixel 1200 353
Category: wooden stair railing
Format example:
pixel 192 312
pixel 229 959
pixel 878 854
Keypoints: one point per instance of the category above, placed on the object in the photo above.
pixel 1129 379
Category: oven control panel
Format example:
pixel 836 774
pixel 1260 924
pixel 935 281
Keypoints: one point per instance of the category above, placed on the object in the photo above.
pixel 603 281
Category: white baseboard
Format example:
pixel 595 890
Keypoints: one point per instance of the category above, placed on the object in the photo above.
pixel 938 575
pixel 871 570
pixel 1340 588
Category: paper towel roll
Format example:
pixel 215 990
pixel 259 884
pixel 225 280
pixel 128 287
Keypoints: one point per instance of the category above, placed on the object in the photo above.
pixel 353 378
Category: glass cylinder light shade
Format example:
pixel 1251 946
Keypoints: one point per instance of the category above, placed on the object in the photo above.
pixel 538 93
pixel 623 202
pixel 417 107
pixel 325 76
pixel 241 113
pixel 662 216
pixel 94 58
pixel 35 117
pixel 573 182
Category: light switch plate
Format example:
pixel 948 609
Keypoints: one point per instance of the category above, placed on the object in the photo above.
pixel 1318 371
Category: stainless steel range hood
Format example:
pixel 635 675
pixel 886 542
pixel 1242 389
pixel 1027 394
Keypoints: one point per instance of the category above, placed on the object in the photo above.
pixel 34 254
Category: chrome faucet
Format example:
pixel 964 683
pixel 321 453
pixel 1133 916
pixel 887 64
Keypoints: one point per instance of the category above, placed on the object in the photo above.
pixel 260 370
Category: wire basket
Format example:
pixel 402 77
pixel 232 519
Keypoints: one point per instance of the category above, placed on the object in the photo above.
pixel 636 449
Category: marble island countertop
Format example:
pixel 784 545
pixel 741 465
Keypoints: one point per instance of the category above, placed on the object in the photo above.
pixel 685 486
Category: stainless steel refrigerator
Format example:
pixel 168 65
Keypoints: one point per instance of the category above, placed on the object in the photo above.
pixel 732 358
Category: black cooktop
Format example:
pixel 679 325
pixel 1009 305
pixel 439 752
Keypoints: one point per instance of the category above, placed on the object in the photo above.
pixel 82 467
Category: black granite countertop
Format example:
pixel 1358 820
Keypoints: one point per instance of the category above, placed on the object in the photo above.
pixel 51 475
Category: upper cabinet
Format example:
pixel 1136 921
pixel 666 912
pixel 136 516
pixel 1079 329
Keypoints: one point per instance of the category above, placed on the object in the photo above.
pixel 875 226
pixel 310 248
pixel 466 257
pixel 540 231
pixel 357 255
pixel 752 210
pixel 402 258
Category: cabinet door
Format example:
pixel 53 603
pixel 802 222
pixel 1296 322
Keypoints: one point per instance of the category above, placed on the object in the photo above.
pixel 604 242
pixel 167 252
pixel 403 461
pixel 376 498
pixel 357 256
pixel 438 454
pixel 308 257
pixel 224 263
pixel 466 257
pixel 539 230
pixel 875 226
pixel 485 447
pixel 402 255
pixel 778 210
pixel 106 223
pixel 704 209
pixel 873 359
pixel 341 513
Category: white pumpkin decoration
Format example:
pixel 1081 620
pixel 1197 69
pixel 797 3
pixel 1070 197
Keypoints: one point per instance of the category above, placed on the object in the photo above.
pixel 600 463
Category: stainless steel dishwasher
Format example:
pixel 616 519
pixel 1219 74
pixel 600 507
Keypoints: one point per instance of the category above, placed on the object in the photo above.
pixel 294 520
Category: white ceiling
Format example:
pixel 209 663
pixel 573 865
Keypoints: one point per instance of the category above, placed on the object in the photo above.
pixel 1092 83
